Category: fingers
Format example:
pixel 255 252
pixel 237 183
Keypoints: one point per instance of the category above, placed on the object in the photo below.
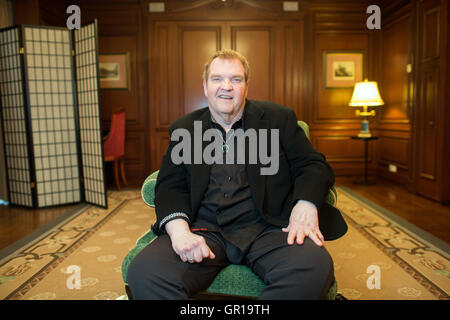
pixel 316 237
pixel 195 250
pixel 183 257
pixel 297 235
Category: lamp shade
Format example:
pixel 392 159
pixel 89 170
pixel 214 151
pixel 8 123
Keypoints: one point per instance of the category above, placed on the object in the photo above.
pixel 366 94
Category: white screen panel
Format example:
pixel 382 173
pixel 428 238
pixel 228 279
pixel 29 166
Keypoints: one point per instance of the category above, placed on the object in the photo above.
pixel 89 114
pixel 48 56
pixel 14 119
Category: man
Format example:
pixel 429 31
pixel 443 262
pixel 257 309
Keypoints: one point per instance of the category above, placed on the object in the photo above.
pixel 212 214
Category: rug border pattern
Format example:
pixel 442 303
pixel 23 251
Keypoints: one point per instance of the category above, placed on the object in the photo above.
pixel 417 275
pixel 19 292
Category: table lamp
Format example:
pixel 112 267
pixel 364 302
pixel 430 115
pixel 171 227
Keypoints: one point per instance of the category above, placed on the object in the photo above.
pixel 365 94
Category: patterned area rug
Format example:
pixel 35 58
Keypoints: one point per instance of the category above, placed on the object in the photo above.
pixel 377 259
pixel 410 267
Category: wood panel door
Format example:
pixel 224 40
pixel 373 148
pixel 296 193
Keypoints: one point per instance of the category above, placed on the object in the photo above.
pixel 430 173
pixel 179 49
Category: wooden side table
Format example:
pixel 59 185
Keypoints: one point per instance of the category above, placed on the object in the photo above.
pixel 366 159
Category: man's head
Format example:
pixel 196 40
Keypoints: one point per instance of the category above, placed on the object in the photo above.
pixel 231 55
pixel 225 84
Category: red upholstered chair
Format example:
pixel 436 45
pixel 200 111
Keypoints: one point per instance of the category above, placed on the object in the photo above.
pixel 114 146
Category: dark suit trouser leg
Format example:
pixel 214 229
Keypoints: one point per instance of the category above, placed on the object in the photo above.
pixel 157 272
pixel 290 272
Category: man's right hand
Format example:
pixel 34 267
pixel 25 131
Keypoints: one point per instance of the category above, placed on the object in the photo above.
pixel 189 246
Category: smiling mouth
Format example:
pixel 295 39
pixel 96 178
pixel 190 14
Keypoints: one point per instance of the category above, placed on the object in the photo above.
pixel 226 97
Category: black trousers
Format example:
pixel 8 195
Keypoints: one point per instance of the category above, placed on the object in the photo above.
pixel 289 271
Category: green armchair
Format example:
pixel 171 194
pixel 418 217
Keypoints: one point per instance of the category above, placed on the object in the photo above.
pixel 233 281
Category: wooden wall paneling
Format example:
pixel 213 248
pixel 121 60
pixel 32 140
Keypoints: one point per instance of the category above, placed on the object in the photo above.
pixel 293 50
pixel 197 44
pixel 307 74
pixel 394 79
pixel 41 12
pixel 394 150
pixel 52 13
pixel 163 83
pixel 256 43
pixel 393 118
pixel 161 143
pixel 345 155
pixel 340 148
pixel 159 72
pixel 27 12
pixel 135 152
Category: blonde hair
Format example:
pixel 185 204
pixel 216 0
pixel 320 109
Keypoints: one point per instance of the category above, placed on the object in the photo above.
pixel 227 54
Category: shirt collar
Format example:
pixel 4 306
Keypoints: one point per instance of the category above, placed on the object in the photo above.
pixel 236 125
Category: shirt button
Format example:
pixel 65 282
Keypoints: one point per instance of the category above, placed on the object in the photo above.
pixel 229 178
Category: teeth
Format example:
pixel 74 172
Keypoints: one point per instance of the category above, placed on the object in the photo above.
pixel 225 97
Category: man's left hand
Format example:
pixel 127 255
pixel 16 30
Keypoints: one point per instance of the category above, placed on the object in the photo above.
pixel 304 222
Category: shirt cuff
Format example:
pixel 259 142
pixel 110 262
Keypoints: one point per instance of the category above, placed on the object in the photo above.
pixel 173 216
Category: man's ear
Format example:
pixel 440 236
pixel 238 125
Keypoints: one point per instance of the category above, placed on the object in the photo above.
pixel 205 88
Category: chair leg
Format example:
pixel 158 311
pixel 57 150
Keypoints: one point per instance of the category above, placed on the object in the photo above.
pixel 122 171
pixel 116 174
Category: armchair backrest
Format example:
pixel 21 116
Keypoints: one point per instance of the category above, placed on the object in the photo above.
pixel 114 146
pixel 304 126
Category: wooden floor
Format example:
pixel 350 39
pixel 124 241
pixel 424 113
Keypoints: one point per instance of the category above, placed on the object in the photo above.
pixel 426 214
pixel 16 223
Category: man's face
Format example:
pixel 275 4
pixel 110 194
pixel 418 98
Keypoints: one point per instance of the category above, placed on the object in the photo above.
pixel 225 88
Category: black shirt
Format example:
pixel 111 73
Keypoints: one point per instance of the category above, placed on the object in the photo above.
pixel 227 206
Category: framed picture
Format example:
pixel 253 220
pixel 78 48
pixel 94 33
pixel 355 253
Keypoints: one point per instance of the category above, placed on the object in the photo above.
pixel 114 70
pixel 342 69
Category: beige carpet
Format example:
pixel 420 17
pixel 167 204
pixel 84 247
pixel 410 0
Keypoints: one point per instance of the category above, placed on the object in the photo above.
pixel 97 240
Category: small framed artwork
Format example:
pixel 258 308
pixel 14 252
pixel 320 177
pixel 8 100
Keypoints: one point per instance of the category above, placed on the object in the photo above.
pixel 114 70
pixel 342 69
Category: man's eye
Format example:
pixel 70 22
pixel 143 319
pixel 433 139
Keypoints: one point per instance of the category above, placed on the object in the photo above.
pixel 236 80
pixel 215 79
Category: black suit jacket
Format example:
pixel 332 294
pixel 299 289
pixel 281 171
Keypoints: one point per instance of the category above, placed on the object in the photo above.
pixel 303 172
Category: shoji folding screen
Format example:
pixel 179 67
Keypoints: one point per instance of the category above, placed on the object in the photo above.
pixel 50 110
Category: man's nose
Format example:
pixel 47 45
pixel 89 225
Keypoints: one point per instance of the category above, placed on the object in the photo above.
pixel 226 84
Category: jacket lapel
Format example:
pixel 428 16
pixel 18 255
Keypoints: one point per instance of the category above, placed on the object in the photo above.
pixel 200 172
pixel 257 182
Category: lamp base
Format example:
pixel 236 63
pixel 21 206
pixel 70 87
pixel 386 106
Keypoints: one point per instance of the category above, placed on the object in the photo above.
pixel 365 132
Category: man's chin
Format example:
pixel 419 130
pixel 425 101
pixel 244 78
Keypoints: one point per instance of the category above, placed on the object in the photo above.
pixel 225 109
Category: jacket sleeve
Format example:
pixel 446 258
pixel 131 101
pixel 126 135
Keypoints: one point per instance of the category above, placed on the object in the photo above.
pixel 313 176
pixel 172 191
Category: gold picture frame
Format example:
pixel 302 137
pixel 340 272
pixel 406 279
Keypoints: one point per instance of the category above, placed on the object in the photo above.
pixel 114 70
pixel 342 69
